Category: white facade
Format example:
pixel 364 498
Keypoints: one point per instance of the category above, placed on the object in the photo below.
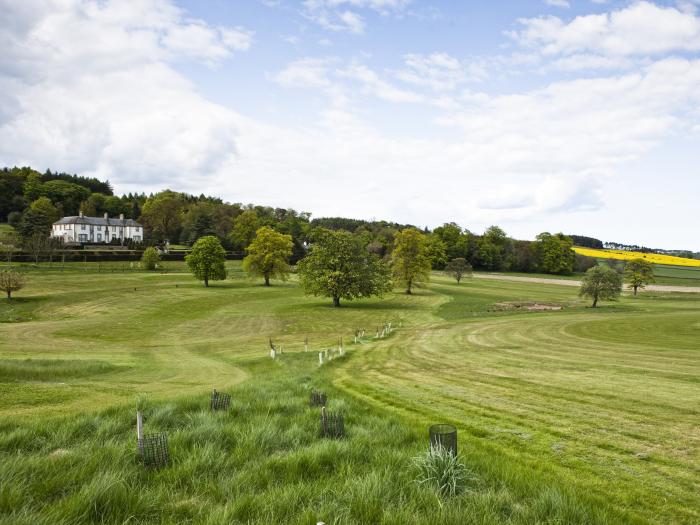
pixel 97 230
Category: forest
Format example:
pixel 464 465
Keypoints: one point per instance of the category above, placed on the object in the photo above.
pixel 31 201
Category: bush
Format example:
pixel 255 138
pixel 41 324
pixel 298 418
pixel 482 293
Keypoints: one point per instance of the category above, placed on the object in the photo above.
pixel 150 258
pixel 441 469
pixel 10 281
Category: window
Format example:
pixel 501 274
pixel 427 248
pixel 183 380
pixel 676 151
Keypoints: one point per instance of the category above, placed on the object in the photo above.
pixel 82 237
pixel 82 226
pixel 99 237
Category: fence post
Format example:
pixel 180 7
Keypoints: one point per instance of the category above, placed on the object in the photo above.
pixel 320 358
pixel 139 426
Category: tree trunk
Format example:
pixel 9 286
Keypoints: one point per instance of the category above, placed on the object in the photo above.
pixel 408 290
pixel 595 301
pixel 9 294
pixel 206 282
pixel 267 280
pixel 336 301
pixel 635 290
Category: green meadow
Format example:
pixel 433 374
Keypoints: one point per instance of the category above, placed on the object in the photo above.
pixel 565 414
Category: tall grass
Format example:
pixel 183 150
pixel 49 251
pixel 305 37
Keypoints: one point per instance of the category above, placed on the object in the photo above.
pixel 261 462
pixel 441 469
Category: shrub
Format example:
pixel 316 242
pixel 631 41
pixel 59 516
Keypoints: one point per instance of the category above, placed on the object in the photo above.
pixel 442 470
pixel 10 281
pixel 150 258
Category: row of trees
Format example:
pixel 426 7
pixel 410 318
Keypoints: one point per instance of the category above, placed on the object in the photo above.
pixel 339 266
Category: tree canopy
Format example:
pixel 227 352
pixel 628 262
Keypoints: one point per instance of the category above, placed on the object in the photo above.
pixel 554 253
pixel 638 273
pixel 410 259
pixel 206 260
pixel 458 268
pixel 10 281
pixel 339 266
pixel 244 228
pixel 161 215
pixel 601 283
pixel 268 255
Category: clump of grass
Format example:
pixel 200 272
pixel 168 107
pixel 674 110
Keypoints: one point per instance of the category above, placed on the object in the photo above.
pixel 442 470
pixel 143 402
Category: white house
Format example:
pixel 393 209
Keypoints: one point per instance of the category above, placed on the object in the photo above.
pixel 95 230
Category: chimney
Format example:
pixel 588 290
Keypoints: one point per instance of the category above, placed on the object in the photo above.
pixel 121 216
pixel 81 213
pixel 106 216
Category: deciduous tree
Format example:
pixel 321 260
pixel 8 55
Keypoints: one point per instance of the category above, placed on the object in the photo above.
pixel 410 260
pixel 161 215
pixel 338 266
pixel 10 281
pixel 206 260
pixel 458 268
pixel 436 251
pixel 639 273
pixel 554 253
pixel 601 283
pixel 36 244
pixel 268 255
pixel 244 228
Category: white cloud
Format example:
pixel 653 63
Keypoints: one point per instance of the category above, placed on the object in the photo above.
pixel 306 72
pixel 642 28
pixel 440 71
pixel 91 89
pixel 558 3
pixel 342 15
pixel 373 84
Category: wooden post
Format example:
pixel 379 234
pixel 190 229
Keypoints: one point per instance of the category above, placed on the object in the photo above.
pixel 139 426
pixel 320 358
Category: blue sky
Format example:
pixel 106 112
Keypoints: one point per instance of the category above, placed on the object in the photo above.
pixel 580 116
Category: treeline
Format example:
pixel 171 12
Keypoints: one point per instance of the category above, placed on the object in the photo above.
pixel 32 201
pixel 688 254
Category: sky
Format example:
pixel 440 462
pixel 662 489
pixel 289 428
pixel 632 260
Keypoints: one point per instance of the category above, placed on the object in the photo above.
pixel 581 116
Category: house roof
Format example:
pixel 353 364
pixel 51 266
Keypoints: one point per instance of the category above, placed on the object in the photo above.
pixel 97 221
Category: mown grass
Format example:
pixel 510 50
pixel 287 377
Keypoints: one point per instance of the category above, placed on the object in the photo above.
pixel 571 416
pixel 50 369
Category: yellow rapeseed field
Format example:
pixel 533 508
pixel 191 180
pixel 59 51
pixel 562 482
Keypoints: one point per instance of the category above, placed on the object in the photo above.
pixel 625 256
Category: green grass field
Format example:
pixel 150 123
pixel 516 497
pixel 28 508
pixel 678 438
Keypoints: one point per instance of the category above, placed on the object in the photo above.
pixel 564 416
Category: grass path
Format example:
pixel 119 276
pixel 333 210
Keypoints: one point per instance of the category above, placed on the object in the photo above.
pixel 573 282
pixel 607 402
